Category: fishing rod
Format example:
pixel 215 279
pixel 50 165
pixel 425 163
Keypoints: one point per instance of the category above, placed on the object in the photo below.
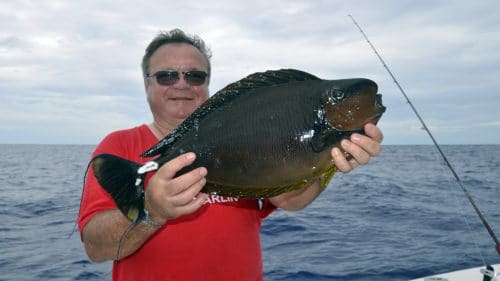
pixel 457 178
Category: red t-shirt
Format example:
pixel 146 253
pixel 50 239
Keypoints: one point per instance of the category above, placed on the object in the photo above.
pixel 220 241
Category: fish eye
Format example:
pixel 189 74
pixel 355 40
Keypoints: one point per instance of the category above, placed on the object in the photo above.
pixel 335 95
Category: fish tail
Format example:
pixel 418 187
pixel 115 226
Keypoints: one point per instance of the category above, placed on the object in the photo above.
pixel 120 178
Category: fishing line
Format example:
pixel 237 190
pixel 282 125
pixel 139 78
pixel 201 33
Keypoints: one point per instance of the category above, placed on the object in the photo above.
pixel 81 200
pixel 122 239
pixel 124 234
pixel 443 156
pixel 460 209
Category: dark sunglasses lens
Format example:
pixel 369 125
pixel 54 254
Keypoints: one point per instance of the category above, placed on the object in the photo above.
pixel 195 78
pixel 167 78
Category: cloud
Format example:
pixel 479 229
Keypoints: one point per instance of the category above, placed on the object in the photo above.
pixel 69 119
pixel 67 65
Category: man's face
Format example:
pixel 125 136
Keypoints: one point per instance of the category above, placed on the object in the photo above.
pixel 174 103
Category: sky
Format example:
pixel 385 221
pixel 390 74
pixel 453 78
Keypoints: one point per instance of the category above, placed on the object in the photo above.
pixel 70 70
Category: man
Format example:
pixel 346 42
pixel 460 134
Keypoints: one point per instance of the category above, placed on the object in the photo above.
pixel 187 235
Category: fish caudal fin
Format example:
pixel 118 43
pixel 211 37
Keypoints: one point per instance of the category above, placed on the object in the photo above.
pixel 118 177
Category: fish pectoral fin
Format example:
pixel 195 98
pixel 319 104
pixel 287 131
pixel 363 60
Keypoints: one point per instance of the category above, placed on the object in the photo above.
pixel 318 144
pixel 324 136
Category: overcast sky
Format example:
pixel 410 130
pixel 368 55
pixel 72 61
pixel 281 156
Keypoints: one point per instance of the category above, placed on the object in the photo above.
pixel 70 70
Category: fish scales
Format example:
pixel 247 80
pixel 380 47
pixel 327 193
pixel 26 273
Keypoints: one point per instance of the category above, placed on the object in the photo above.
pixel 261 136
pixel 268 148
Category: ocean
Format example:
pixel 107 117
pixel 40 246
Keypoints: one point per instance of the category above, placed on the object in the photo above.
pixel 400 217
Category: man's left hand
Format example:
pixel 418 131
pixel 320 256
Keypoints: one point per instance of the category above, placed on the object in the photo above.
pixel 360 147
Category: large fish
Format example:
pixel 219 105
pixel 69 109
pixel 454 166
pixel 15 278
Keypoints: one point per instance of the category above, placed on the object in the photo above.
pixel 264 135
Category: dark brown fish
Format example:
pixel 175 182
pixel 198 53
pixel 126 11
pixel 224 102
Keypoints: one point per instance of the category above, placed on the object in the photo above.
pixel 264 135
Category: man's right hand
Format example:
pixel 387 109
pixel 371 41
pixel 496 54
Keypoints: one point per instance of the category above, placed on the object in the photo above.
pixel 168 197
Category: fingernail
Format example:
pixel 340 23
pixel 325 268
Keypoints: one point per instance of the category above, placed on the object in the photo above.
pixel 203 172
pixel 345 143
pixel 190 155
pixel 205 198
pixel 355 137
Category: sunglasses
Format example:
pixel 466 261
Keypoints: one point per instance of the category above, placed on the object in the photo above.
pixel 170 77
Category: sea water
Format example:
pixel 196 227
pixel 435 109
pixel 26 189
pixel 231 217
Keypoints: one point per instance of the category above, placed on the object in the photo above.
pixel 400 217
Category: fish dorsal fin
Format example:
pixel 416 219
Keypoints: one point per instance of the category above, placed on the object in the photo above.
pixel 266 79
pixel 227 94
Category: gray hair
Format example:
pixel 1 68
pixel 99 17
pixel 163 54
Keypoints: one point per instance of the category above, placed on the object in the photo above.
pixel 175 36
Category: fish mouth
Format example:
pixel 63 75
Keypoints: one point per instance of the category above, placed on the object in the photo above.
pixel 380 109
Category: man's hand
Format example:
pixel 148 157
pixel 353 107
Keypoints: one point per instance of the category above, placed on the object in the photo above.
pixel 360 147
pixel 168 197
